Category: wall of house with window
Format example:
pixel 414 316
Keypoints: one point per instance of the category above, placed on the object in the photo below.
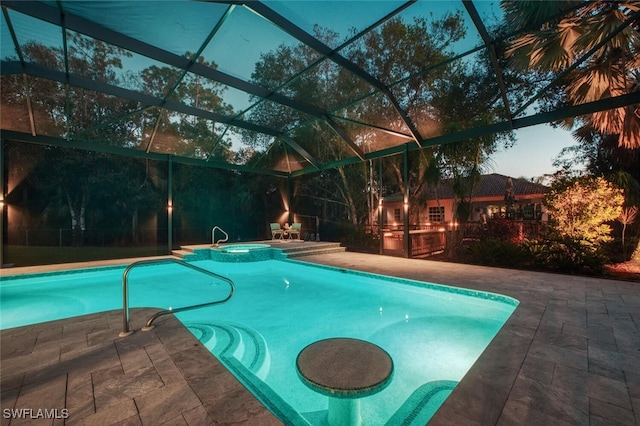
pixel 393 216
pixel 433 214
pixel 439 211
pixel 526 207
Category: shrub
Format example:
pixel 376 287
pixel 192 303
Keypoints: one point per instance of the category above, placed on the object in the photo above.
pixel 617 253
pixel 635 257
pixel 353 237
pixel 503 230
pixel 557 255
pixel 564 255
pixel 581 207
pixel 492 252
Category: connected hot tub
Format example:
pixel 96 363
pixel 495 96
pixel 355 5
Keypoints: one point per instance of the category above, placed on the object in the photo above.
pixel 243 248
pixel 244 253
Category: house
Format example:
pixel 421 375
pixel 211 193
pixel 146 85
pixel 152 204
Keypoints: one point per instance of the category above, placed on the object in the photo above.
pixel 493 196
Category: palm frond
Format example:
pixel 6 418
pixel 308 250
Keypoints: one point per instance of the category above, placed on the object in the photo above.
pixel 630 134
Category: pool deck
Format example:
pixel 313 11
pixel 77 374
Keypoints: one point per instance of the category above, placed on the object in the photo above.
pixel 568 355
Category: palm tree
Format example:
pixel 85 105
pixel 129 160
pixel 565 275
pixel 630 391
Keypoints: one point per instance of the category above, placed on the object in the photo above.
pixel 595 45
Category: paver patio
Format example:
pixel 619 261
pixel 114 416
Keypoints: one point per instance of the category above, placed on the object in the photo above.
pixel 569 355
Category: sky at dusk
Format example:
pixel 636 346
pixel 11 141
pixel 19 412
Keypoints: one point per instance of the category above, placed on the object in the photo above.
pixel 534 152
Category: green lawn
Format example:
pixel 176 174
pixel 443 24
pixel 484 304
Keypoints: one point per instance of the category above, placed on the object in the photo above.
pixel 38 255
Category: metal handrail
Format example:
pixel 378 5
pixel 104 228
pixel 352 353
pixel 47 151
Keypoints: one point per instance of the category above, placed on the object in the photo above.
pixel 125 293
pixel 222 240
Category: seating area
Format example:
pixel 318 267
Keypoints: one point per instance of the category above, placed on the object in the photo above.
pixel 277 233
pixel 294 231
pixel 287 232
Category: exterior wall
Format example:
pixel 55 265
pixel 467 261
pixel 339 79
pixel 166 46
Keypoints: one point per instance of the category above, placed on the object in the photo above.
pixel 490 207
pixel 390 218
pixel 448 209
pixel 527 207
pixel 428 233
pixel 391 222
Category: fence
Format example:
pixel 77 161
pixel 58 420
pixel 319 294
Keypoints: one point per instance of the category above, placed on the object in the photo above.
pixel 435 238
pixel 424 243
pixel 63 237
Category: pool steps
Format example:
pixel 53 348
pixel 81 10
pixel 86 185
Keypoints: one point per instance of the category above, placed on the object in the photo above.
pixel 418 409
pixel 235 341
pixel 244 352
pixel 295 252
pixel 265 394
pixel 182 253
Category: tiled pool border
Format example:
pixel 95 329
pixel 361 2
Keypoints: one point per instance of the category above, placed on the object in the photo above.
pixel 62 272
pixel 415 283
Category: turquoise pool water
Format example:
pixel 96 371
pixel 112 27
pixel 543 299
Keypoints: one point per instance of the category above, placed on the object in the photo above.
pixel 433 333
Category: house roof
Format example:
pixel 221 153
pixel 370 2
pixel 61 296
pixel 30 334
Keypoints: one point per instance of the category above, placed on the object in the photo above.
pixel 491 185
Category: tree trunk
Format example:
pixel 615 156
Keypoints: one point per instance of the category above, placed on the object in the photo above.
pixel 348 198
pixel 78 214
pixel 368 172
pixel 83 210
pixel 134 227
pixel 76 231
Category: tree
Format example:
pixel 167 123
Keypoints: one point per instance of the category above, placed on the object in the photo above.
pixel 601 156
pixel 78 176
pixel 455 96
pixel 627 216
pixel 581 207
pixel 184 134
pixel 609 141
pixel 565 32
pixel 77 181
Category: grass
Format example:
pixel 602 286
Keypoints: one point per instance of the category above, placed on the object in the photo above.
pixel 40 255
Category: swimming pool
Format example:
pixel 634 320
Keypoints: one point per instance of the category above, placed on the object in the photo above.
pixel 433 333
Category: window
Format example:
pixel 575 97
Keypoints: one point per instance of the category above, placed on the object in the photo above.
pixel 436 214
pixel 396 215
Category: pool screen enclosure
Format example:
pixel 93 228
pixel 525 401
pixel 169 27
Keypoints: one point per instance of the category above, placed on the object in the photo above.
pixel 278 87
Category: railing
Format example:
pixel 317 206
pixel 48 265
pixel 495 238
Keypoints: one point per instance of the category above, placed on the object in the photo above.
pixel 427 242
pixel 213 232
pixel 422 242
pixel 149 324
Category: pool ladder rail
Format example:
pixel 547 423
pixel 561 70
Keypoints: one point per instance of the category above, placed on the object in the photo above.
pixel 126 331
pixel 221 240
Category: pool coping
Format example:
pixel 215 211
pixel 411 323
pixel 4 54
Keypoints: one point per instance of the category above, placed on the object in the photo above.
pixel 567 355
pixel 161 376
